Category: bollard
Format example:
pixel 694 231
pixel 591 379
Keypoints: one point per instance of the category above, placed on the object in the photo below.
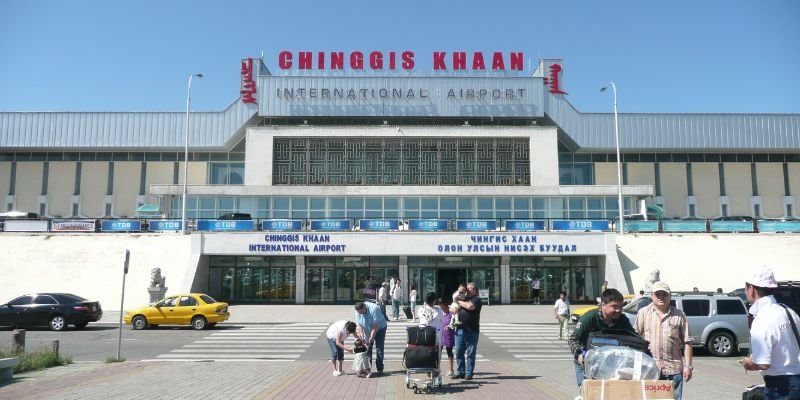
pixel 18 341
pixel 55 348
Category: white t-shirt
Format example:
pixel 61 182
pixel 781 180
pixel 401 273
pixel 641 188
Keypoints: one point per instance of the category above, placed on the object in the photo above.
pixel 397 292
pixel 412 297
pixel 536 284
pixel 430 316
pixel 772 338
pixel 382 294
pixel 562 307
pixel 337 329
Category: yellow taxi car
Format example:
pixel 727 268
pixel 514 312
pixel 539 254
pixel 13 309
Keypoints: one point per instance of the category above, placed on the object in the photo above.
pixel 578 312
pixel 199 310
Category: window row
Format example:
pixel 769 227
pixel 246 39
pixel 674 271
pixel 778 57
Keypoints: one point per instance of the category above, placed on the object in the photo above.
pixel 401 161
pixel 444 207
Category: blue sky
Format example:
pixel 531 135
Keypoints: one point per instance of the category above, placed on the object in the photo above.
pixel 667 56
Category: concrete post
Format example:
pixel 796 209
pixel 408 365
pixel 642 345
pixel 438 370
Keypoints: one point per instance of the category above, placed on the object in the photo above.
pixel 156 293
pixel 55 346
pixel 18 341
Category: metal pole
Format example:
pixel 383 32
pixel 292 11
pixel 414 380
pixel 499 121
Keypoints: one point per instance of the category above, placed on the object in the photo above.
pixel 184 228
pixel 619 163
pixel 619 160
pixel 122 303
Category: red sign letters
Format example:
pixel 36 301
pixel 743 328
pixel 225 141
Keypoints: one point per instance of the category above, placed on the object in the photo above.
pixel 248 89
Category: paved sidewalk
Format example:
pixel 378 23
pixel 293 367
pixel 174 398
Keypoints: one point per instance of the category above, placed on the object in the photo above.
pixel 715 378
pixel 313 380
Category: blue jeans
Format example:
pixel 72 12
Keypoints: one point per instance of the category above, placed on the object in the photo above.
pixel 337 353
pixel 380 340
pixel 782 387
pixel 395 309
pixel 677 384
pixel 466 342
pixel 579 374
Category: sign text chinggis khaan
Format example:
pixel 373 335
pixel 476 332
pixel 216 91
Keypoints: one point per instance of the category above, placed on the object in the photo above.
pixel 392 60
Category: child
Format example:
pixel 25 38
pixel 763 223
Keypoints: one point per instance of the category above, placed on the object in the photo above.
pixel 360 361
pixel 460 294
pixel 447 340
pixel 455 321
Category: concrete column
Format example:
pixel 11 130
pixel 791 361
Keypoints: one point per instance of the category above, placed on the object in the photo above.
pixel 505 280
pixel 404 275
pixel 300 280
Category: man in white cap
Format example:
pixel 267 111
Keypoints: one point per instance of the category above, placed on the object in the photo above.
pixel 775 348
pixel 667 330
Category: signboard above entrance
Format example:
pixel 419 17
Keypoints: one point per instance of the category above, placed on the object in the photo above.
pixel 405 60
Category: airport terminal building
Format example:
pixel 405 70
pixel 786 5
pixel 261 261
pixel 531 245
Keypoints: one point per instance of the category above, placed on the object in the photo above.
pixel 353 167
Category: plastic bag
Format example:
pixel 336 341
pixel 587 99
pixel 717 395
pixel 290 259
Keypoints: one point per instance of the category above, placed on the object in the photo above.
pixel 619 363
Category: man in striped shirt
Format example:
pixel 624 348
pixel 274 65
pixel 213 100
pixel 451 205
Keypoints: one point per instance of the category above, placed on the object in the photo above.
pixel 667 330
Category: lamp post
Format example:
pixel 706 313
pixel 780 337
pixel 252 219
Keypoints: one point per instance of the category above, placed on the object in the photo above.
pixel 184 229
pixel 619 161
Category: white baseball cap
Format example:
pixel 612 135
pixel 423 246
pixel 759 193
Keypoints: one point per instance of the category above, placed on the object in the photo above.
pixel 762 277
pixel 661 287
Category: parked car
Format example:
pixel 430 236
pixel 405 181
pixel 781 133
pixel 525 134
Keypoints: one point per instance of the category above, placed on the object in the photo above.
pixel 199 310
pixel 788 292
pixel 717 322
pixel 741 218
pixel 55 310
pixel 235 216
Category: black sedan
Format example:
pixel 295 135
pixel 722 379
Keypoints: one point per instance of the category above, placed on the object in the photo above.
pixel 55 310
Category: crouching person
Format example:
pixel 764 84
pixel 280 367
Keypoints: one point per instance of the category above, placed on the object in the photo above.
pixel 337 334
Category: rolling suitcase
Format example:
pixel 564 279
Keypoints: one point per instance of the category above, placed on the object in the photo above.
pixel 407 311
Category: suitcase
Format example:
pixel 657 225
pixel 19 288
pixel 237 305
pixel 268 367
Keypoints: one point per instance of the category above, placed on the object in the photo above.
pixel 420 357
pixel 407 311
pixel 421 335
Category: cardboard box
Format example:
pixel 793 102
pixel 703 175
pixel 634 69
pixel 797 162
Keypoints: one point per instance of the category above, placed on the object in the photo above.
pixel 626 390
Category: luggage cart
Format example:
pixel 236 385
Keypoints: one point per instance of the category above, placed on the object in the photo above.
pixel 426 377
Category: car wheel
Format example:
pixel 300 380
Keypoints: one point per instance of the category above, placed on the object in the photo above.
pixel 58 323
pixel 721 344
pixel 199 322
pixel 139 322
pixel 81 325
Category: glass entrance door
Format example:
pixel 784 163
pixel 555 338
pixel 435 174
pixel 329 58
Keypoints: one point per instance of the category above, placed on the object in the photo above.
pixel 283 284
pixel 350 284
pixel 320 285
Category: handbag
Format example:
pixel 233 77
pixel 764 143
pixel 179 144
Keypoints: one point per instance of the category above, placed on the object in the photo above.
pixel 755 392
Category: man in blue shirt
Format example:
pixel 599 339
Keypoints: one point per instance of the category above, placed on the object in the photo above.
pixel 372 325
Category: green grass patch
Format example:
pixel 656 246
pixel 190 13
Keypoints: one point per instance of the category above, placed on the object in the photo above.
pixel 36 360
pixel 112 359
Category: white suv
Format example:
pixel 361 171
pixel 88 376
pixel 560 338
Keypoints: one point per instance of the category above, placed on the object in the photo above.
pixel 716 321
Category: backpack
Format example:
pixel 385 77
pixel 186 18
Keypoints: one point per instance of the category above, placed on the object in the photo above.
pixel 617 337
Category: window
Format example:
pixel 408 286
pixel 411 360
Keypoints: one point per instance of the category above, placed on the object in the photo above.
pixel 44 300
pixel 21 301
pixel 730 307
pixel 170 302
pixel 696 308
pixel 187 301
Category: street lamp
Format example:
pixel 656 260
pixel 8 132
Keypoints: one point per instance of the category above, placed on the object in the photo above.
pixel 184 229
pixel 619 162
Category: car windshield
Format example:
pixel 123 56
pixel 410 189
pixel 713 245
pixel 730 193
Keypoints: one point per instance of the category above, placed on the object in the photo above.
pixel 207 299
pixel 636 305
